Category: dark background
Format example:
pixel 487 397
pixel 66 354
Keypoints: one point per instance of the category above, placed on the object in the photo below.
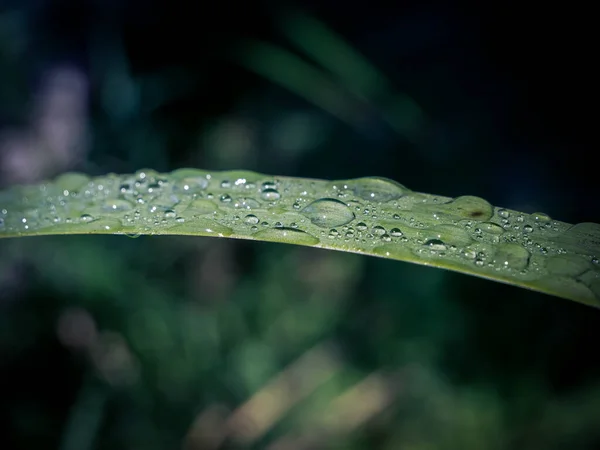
pixel 110 342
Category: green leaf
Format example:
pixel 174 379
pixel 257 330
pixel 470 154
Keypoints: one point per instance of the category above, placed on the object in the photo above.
pixel 374 216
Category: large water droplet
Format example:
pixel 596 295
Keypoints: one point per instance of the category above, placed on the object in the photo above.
pixel 270 195
pixel 541 217
pixel 328 213
pixel 491 228
pixel 436 245
pixel 377 189
pixel 512 256
pixel 201 207
pixel 251 219
pixel 246 203
pixel 469 207
pixel 190 180
pixel 286 235
pixel 505 214
pixel 394 251
pixel 200 225
pixel 117 205
pixel 449 234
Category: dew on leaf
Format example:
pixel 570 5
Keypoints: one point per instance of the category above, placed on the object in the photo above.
pixel 251 219
pixel 86 218
pixel 328 213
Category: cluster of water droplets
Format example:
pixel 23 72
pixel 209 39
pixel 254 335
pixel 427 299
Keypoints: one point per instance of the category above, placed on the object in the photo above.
pixel 370 215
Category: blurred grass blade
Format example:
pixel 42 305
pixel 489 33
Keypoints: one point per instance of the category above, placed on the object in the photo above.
pixel 354 71
pixel 291 72
pixel 373 216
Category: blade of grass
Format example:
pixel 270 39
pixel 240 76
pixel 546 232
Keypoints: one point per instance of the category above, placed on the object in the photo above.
pixel 354 71
pixel 373 216
pixel 291 72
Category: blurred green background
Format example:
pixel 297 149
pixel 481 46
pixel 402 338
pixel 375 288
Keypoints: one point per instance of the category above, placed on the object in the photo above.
pixel 108 342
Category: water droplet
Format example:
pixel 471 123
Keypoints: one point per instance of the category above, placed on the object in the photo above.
pixel 226 198
pixel 361 226
pixel 86 218
pixel 169 214
pixel 117 205
pixel 491 228
pixel 201 207
pixel 100 225
pixel 436 245
pixel 225 184
pixel 270 195
pixel 386 237
pixel 333 233
pixel 512 256
pixel 527 228
pixel 191 184
pixel 394 251
pixel 449 234
pixel 246 203
pixel 541 217
pixel 286 235
pixel 378 230
pixel 468 207
pixel 251 219
pixel 505 214
pixel 377 189
pixel 328 213
pixel 395 232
